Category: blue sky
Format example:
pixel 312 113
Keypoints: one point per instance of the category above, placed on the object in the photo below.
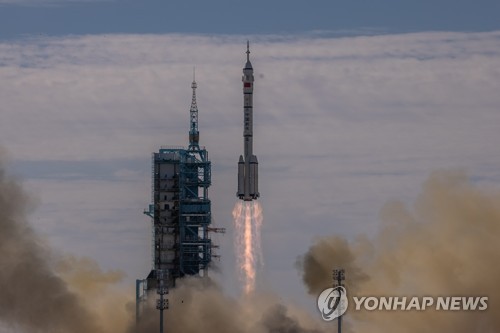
pixel 62 17
pixel 356 103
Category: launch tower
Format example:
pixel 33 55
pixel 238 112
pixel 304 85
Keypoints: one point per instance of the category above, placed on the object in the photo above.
pixel 180 212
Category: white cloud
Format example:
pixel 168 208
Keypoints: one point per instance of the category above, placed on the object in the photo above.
pixel 341 124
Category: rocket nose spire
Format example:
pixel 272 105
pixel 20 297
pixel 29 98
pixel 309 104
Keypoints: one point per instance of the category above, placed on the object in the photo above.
pixel 248 64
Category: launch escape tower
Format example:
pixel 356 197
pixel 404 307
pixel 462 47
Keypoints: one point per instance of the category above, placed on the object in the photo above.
pixel 180 212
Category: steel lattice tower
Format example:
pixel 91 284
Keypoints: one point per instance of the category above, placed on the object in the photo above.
pixel 180 212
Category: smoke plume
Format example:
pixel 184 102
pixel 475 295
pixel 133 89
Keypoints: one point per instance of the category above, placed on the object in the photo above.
pixel 41 291
pixel 44 291
pixel 446 245
pixel 198 305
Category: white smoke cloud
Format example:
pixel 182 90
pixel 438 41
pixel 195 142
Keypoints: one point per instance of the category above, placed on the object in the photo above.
pixel 443 244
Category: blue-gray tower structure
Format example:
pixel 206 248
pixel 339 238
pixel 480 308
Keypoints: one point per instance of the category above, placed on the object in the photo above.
pixel 180 212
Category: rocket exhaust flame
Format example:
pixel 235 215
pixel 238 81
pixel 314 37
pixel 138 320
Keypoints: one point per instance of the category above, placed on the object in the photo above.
pixel 258 218
pixel 248 221
pixel 249 257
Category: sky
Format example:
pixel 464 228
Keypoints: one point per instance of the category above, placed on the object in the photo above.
pixel 356 103
pixel 76 17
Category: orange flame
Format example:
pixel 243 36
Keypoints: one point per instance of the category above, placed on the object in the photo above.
pixel 248 221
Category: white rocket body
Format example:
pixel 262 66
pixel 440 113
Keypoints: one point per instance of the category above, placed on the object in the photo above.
pixel 248 166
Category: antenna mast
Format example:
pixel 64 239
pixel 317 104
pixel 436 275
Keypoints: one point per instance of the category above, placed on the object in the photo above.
pixel 194 134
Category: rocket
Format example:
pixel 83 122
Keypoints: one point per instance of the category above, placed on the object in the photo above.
pixel 248 173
